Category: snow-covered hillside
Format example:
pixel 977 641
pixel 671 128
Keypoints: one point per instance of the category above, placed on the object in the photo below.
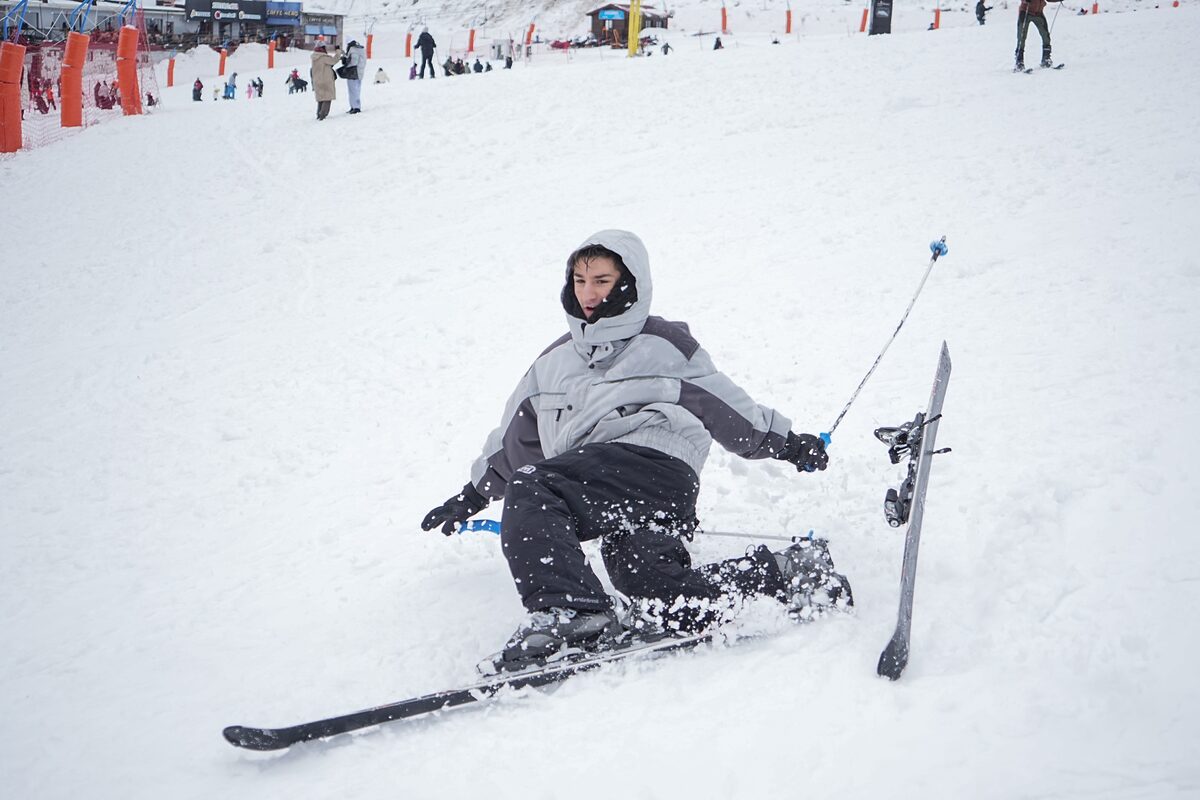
pixel 242 353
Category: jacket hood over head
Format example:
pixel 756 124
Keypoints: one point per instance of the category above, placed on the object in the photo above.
pixel 627 323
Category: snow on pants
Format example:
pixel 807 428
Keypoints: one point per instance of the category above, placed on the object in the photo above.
pixel 355 88
pixel 1039 22
pixel 639 501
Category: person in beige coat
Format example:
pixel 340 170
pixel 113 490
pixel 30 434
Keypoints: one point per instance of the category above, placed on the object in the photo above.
pixel 323 78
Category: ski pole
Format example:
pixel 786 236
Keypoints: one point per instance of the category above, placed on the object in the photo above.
pixel 938 248
pixel 493 526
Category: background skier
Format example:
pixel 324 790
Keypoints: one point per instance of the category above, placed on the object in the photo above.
pixel 1032 11
pixel 605 437
pixel 426 45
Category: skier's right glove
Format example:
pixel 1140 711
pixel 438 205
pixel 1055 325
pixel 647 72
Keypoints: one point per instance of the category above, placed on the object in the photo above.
pixel 457 509
pixel 804 450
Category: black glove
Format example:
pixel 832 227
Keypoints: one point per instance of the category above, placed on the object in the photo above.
pixel 804 450
pixel 459 508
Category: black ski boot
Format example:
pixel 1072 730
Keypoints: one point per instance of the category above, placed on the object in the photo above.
pixel 813 586
pixel 552 633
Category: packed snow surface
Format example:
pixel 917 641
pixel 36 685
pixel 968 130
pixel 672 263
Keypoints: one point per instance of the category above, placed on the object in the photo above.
pixel 242 353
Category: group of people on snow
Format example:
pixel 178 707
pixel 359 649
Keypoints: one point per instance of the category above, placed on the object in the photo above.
pixel 325 72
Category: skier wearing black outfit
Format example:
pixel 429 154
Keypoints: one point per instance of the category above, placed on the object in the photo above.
pixel 981 12
pixel 604 438
pixel 426 45
pixel 1031 11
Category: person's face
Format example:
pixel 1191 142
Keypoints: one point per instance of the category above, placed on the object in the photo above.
pixel 594 278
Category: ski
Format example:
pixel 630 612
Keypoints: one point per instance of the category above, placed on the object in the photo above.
pixel 280 738
pixel 914 440
pixel 1023 70
pixel 1056 66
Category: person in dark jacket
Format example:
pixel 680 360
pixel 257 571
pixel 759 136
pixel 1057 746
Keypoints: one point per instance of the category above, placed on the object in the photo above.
pixel 426 45
pixel 717 44
pixel 197 88
pixel 1033 11
pixel 604 438
pixel 477 66
pixel 981 12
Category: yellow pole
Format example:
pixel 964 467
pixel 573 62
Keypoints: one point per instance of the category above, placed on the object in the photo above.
pixel 635 26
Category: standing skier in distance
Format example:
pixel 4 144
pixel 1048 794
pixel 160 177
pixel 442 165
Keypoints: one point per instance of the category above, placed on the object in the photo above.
pixel 426 45
pixel 981 12
pixel 1032 11
pixel 605 437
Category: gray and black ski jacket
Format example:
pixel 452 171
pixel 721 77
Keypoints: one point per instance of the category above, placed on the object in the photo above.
pixel 629 378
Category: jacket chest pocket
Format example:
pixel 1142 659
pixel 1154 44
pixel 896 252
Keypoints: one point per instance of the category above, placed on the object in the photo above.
pixel 551 406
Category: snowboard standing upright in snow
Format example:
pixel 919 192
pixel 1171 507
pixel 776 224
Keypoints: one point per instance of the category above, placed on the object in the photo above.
pixel 605 437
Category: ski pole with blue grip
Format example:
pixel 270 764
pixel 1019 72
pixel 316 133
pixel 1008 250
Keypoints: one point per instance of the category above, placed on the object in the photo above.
pixel 937 248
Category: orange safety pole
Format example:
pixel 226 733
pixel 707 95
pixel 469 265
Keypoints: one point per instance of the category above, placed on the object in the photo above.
pixel 270 54
pixel 408 45
pixel 529 35
pixel 370 41
pixel 12 63
pixel 131 95
pixel 171 72
pixel 937 18
pixel 724 21
pixel 71 95
pixel 862 26
pixel 224 55
pixel 471 41
pixel 789 21
pixel 1095 8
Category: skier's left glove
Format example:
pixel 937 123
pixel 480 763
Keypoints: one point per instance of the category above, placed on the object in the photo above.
pixel 459 508
pixel 804 450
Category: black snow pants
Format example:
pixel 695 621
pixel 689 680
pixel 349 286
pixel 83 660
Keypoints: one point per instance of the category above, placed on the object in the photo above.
pixel 427 58
pixel 639 501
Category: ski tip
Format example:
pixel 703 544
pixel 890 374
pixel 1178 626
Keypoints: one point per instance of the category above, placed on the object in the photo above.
pixel 253 738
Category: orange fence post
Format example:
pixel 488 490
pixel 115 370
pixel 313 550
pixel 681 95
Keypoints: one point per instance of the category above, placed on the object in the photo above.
pixel 171 72
pixel 937 18
pixel 1095 8
pixel 724 21
pixel 408 45
pixel 270 55
pixel 471 41
pixel 224 55
pixel 71 94
pixel 131 95
pixel 529 35
pixel 12 63
pixel 789 22
pixel 862 26
pixel 370 41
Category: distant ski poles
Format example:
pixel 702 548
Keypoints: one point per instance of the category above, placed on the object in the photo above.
pixel 938 248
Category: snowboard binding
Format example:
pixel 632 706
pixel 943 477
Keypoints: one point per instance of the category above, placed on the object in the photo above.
pixel 904 441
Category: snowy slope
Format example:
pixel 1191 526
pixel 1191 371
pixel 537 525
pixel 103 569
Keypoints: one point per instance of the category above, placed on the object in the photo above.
pixel 235 380
pixel 747 22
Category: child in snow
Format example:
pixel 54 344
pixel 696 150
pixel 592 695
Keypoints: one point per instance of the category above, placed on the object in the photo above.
pixel 604 438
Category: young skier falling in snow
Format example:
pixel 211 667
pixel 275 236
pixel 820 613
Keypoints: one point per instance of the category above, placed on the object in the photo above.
pixel 605 437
